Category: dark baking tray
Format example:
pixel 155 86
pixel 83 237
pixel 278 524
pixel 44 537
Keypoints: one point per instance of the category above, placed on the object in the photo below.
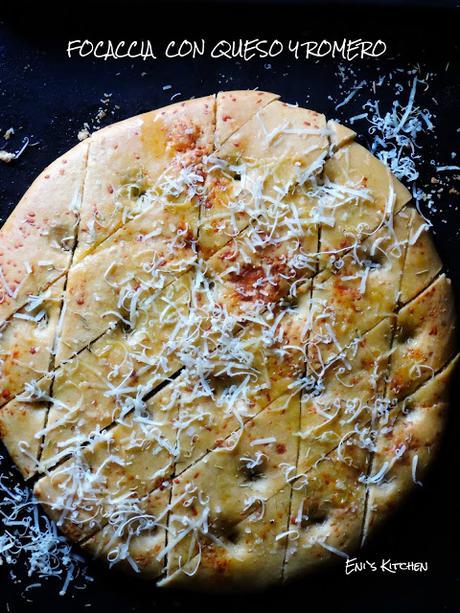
pixel 50 98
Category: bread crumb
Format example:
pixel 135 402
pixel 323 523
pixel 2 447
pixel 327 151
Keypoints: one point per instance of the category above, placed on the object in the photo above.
pixel 8 134
pixel 6 156
pixel 84 133
pixel 94 124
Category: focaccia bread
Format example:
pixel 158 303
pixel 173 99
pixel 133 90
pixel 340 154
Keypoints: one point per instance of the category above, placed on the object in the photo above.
pixel 226 342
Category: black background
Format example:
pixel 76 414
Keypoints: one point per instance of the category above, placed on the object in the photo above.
pixel 48 97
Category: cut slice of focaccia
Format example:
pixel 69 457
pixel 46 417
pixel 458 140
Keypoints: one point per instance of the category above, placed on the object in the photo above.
pixel 234 109
pixel 280 148
pixel 117 280
pixel 425 338
pixel 21 422
pixel 245 557
pixel 111 480
pixel 361 195
pixel 422 262
pixel 358 290
pixel 405 445
pixel 37 240
pixel 27 342
pixel 347 397
pixel 119 369
pixel 245 473
pixel 135 546
pixel 264 263
pixel 127 159
pixel 327 511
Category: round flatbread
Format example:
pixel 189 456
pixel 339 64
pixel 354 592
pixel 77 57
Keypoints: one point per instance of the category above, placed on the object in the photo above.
pixel 226 342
